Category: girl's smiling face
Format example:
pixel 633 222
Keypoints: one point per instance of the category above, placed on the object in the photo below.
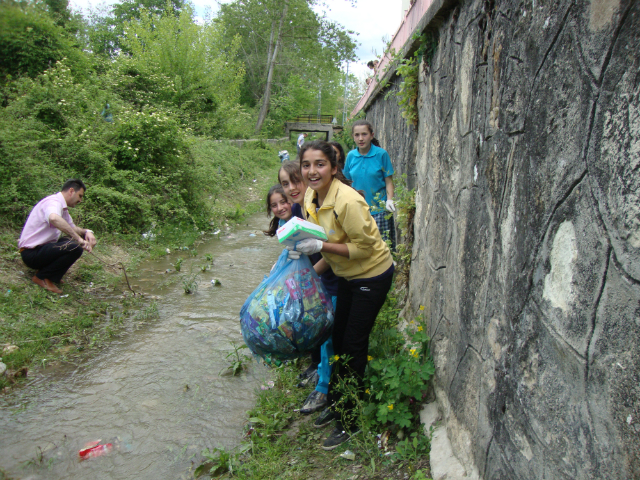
pixel 362 136
pixel 280 206
pixel 293 190
pixel 317 171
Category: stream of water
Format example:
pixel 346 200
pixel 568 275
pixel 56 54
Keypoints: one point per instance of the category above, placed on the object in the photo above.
pixel 156 394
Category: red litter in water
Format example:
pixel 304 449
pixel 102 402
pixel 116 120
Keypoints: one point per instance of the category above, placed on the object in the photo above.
pixel 95 450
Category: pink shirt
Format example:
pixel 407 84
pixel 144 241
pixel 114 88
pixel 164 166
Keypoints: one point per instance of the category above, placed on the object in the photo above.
pixel 37 230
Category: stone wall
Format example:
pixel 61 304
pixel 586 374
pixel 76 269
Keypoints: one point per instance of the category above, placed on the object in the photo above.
pixel 527 233
pixel 395 136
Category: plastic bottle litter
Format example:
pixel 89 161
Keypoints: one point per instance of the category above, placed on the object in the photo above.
pixel 94 449
pixel 349 455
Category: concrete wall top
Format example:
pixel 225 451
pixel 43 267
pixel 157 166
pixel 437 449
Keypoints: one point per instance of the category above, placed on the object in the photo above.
pixel 421 13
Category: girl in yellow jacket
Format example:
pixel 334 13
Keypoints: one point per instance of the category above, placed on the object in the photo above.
pixel 362 261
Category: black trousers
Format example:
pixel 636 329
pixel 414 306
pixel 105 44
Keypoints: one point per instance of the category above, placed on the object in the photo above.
pixel 316 356
pixel 52 259
pixel 359 302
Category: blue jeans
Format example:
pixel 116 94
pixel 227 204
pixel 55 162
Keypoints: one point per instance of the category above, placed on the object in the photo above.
pixel 324 367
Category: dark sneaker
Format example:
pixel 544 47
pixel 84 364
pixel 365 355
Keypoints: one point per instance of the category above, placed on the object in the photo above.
pixel 314 402
pixel 311 369
pixel 310 380
pixel 337 437
pixel 325 418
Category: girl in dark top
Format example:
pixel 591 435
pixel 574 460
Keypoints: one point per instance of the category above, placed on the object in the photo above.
pixel 294 188
pixel 278 205
pixel 340 158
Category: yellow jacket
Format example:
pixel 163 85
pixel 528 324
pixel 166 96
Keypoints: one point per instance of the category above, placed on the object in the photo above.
pixel 345 217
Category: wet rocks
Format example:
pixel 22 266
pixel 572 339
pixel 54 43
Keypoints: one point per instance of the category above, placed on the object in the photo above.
pixel 7 349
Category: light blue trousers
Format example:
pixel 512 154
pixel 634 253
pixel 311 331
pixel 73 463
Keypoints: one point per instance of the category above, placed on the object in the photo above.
pixel 324 367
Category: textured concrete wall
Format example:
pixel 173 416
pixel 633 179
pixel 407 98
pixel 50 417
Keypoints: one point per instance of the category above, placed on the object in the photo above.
pixel 527 234
pixel 395 136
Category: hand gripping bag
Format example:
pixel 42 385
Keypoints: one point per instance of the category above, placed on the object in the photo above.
pixel 289 314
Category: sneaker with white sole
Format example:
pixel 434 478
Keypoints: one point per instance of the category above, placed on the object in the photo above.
pixel 337 437
pixel 314 402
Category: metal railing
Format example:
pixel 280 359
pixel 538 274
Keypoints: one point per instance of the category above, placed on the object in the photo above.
pixel 312 119
pixel 403 34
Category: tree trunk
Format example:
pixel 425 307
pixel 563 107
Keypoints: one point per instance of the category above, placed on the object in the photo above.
pixel 271 38
pixel 266 98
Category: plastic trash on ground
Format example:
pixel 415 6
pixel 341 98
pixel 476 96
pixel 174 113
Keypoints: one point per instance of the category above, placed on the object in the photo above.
pixel 284 156
pixel 94 449
pixel 289 314
pixel 348 454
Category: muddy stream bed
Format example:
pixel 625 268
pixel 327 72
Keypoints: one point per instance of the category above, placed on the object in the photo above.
pixel 134 394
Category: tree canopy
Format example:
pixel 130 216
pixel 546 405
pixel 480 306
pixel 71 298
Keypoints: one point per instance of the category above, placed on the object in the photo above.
pixel 290 53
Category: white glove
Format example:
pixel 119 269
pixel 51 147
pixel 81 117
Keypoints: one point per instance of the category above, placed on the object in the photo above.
pixel 292 254
pixel 309 246
pixel 390 206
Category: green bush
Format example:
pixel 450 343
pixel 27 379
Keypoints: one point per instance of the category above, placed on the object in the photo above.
pixel 398 380
pixel 30 42
pixel 149 139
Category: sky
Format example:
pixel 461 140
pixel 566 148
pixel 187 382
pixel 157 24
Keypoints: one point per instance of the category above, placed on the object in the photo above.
pixel 373 20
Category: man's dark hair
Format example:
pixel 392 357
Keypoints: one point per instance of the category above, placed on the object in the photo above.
pixel 370 64
pixel 74 183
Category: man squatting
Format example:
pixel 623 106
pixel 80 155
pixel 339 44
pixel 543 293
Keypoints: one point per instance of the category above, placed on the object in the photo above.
pixel 40 245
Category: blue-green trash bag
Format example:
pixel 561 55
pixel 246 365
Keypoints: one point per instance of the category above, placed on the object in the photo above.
pixel 289 314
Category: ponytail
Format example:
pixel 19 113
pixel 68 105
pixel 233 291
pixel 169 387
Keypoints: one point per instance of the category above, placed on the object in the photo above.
pixel 359 123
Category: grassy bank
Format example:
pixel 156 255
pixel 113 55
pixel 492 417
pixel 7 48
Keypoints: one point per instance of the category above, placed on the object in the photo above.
pixel 280 443
pixel 39 330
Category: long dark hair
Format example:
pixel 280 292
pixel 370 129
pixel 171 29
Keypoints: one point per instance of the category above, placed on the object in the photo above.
pixel 330 153
pixel 273 225
pixel 359 123
pixel 341 152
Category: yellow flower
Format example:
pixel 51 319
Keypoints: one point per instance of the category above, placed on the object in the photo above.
pixel 367 391
pixel 336 358
pixel 420 329
pixel 390 407
pixel 412 322
pixel 421 307
pixel 369 358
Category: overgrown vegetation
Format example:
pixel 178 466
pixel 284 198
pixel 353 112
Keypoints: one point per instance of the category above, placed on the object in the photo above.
pixel 130 99
pixel 405 202
pixel 392 443
pixel 409 69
